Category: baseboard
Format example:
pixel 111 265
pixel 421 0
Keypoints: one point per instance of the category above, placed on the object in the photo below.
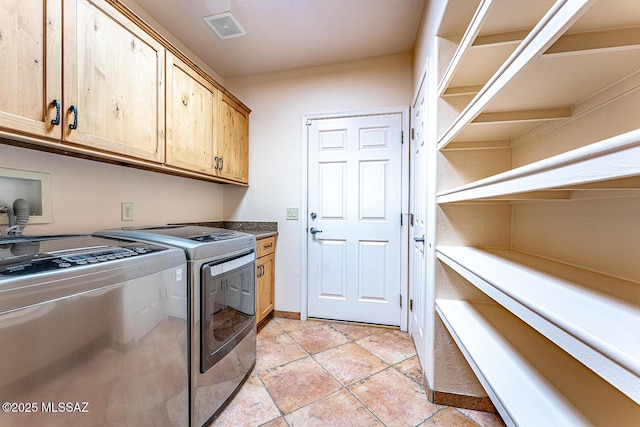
pixel 287 314
pixel 476 403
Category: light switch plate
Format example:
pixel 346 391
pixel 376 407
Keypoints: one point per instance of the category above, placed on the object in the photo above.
pixel 292 213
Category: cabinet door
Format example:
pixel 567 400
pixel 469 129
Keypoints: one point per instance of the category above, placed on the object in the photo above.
pixel 190 118
pixel 265 287
pixel 114 75
pixel 233 141
pixel 31 66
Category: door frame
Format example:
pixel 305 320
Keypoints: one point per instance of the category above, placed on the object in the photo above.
pixel 304 159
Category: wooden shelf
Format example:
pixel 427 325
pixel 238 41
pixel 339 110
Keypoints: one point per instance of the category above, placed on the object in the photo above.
pixel 593 317
pixel 524 57
pixel 530 380
pixel 613 158
pixel 494 31
pixel 538 149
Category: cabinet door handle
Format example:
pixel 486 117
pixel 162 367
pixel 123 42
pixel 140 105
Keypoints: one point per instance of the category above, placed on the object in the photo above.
pixel 219 163
pixel 74 110
pixel 56 103
pixel 267 246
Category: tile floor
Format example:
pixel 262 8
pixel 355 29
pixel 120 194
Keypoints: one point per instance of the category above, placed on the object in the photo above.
pixel 320 373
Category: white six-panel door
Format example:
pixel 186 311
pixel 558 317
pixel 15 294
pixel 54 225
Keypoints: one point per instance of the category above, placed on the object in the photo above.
pixel 417 250
pixel 355 207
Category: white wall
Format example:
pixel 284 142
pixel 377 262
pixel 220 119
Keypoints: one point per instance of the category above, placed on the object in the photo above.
pixel 278 102
pixel 86 195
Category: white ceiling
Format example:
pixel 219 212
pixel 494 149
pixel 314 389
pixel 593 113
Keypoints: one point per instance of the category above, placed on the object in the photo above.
pixel 288 34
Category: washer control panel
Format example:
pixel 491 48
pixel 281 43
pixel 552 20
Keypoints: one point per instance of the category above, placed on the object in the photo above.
pixel 40 262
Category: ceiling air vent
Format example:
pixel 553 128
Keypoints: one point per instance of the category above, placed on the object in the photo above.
pixel 225 25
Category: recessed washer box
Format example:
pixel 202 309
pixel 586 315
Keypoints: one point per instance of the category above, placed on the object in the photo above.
pixel 34 187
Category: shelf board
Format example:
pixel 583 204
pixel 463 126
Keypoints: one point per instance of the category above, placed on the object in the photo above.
pixel 529 380
pixel 610 159
pixel 494 31
pixel 467 39
pixel 559 17
pixel 592 316
pixel 478 145
pixel 524 116
pixel 619 38
pixel 568 78
pixel 563 66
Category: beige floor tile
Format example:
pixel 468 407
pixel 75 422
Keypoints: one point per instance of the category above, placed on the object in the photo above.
pixel 391 346
pixel 252 406
pixel 276 351
pixel 337 409
pixel 411 368
pixel 290 325
pixel 355 332
pixel 448 417
pixel 394 399
pixel 270 329
pixel 304 387
pixel 278 422
pixel 318 338
pixel 483 419
pixel 350 363
pixel 298 383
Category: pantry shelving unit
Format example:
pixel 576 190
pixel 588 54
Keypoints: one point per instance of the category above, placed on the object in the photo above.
pixel 537 279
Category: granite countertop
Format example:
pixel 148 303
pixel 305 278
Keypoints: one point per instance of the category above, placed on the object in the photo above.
pixel 260 234
pixel 261 230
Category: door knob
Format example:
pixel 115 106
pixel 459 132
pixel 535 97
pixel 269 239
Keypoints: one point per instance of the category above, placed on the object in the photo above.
pixel 314 230
pixel 419 239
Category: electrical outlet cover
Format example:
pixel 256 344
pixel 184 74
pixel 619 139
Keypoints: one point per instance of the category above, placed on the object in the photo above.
pixel 126 211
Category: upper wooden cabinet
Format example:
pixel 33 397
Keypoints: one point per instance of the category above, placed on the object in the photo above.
pixel 114 76
pixel 31 69
pixel 233 141
pixel 191 105
pixel 111 93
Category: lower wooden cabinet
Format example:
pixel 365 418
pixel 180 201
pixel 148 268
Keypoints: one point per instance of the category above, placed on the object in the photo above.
pixel 265 277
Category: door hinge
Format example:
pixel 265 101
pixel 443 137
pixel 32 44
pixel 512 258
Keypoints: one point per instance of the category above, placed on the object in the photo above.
pixel 410 305
pixel 400 301
pixel 401 137
pixel 410 215
pixel 413 133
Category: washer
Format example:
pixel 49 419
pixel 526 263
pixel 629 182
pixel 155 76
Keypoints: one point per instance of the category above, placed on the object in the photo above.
pixel 93 331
